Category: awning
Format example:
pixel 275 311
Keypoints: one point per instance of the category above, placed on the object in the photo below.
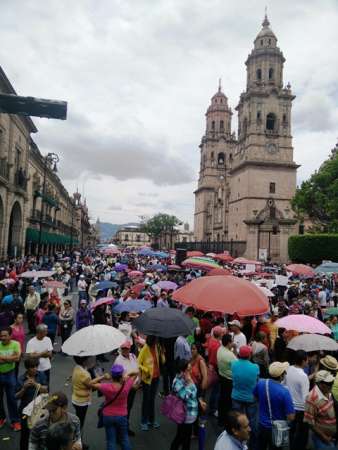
pixel 32 235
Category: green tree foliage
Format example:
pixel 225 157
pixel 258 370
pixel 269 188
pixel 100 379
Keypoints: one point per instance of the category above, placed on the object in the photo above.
pixel 313 248
pixel 160 224
pixel 317 197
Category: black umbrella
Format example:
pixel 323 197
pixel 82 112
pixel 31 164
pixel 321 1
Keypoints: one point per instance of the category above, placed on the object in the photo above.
pixel 164 322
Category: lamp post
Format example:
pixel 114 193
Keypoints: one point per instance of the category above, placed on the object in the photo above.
pixel 50 161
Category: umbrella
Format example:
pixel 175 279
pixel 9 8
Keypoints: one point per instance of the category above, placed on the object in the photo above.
pixel 266 291
pixel 54 284
pixel 223 257
pixel 328 267
pixel 93 340
pixel 157 267
pixel 166 285
pixel 300 269
pixel 220 271
pixel 224 294
pixel 120 267
pixel 161 255
pixel 200 263
pixel 331 312
pixel 8 281
pixel 103 301
pixel 241 260
pixel 138 288
pixel 132 306
pixel 303 324
pixel 146 251
pixel 135 274
pixel 313 343
pixel 164 322
pixel 211 255
pixel 105 284
pixel 193 253
pixel 37 274
pixel 174 267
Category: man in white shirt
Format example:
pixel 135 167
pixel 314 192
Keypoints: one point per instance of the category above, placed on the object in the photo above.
pixel 41 347
pixel 31 304
pixel 322 297
pixel 238 337
pixel 82 288
pixel 298 384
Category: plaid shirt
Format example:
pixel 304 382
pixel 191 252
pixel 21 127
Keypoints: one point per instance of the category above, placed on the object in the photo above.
pixel 188 393
pixel 319 411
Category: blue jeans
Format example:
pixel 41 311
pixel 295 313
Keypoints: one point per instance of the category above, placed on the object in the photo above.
pixel 148 401
pixel 7 385
pixel 321 445
pixel 116 430
pixel 250 409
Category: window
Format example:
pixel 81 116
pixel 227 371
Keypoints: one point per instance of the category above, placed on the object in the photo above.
pixel 138 238
pixel 269 41
pixel 272 188
pixel 245 126
pixel 270 121
pixel 259 116
pixel 126 237
pixel 284 119
pixel 221 125
pixel 261 42
pixel 212 155
pixel 213 125
pixel 220 158
pixel 259 74
pixel 271 73
pixel 272 212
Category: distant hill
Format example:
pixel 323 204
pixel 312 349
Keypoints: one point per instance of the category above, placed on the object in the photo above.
pixel 107 230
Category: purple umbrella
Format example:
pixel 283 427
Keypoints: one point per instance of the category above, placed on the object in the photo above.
pixel 120 267
pixel 167 285
pixel 103 301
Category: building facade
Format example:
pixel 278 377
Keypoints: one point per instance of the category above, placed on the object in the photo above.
pixel 246 182
pixel 131 236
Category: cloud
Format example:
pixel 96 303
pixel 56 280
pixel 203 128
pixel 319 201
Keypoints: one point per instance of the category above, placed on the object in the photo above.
pixel 114 207
pixel 316 111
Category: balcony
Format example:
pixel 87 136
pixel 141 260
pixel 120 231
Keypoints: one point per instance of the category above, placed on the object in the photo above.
pixel 20 179
pixel 35 215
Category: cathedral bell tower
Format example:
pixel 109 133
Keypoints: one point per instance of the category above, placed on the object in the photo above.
pixel 216 154
pixel 263 173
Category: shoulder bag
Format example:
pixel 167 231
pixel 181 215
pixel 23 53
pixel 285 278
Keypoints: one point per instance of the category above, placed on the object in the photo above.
pixel 36 409
pixel 280 428
pixel 173 408
pixel 104 405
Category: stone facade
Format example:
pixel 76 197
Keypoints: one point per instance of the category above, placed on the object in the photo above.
pixel 131 237
pixel 246 183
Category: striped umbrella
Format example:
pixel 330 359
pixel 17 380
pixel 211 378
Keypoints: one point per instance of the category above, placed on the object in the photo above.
pixel 200 263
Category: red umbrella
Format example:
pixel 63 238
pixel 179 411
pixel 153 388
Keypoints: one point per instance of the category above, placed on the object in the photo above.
pixel 137 288
pixel 241 260
pixel 135 274
pixel 193 253
pixel 224 294
pixel 215 272
pixel 174 267
pixel 301 269
pixel 223 257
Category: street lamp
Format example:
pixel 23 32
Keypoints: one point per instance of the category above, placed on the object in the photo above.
pixel 49 161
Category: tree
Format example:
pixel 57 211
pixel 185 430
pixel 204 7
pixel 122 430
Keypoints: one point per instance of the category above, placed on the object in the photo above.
pixel 161 225
pixel 317 197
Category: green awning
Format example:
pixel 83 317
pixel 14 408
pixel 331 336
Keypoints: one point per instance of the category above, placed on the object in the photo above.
pixel 32 235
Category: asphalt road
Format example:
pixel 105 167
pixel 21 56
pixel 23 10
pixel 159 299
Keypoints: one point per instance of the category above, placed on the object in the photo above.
pixel 159 439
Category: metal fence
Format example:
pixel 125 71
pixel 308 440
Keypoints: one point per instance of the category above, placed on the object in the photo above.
pixel 235 248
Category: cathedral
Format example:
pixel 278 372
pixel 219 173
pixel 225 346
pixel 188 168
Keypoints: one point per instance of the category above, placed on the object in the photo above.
pixel 246 182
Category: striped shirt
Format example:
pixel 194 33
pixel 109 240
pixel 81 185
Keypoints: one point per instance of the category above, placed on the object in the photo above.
pixel 188 393
pixel 319 411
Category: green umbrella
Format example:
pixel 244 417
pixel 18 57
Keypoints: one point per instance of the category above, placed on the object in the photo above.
pixel 331 312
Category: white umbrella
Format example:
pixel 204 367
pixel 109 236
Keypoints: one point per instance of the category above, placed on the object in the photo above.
pixel 313 343
pixel 266 291
pixel 37 274
pixel 93 340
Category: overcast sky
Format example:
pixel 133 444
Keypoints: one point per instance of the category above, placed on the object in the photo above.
pixel 138 76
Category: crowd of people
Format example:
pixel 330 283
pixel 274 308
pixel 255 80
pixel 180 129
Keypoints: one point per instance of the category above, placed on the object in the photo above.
pixel 236 371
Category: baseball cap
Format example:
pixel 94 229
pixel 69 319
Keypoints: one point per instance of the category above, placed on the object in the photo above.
pixel 236 323
pixel 126 344
pixel 277 368
pixel 55 400
pixel 117 370
pixel 324 376
pixel 245 351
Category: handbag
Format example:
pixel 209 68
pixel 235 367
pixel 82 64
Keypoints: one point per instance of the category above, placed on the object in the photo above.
pixel 36 409
pixel 104 405
pixel 280 428
pixel 173 408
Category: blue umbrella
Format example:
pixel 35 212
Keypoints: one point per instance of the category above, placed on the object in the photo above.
pixel 161 255
pixel 120 267
pixel 327 267
pixel 101 285
pixel 132 305
pixel 157 267
pixel 146 252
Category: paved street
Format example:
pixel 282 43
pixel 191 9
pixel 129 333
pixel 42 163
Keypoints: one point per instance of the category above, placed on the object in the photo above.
pixel 156 439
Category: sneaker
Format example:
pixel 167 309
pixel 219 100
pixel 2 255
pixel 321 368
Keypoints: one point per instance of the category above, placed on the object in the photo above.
pixel 2 422
pixel 144 427
pixel 154 425
pixel 16 426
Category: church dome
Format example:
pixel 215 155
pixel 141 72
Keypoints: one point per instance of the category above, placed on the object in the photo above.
pixel 219 102
pixel 266 32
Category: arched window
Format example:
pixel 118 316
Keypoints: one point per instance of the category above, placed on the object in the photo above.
pixel 272 212
pixel 270 121
pixel 221 125
pixel 245 126
pixel 285 119
pixel 271 73
pixel 212 155
pixel 259 116
pixel 259 74
pixel 213 125
pixel 261 42
pixel 220 158
pixel 269 41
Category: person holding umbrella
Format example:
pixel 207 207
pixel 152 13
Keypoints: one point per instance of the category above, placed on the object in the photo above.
pixel 149 360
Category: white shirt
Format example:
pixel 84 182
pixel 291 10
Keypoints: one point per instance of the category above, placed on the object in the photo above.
pixel 322 298
pixel 128 364
pixel 239 340
pixel 227 442
pixel 35 345
pixel 298 383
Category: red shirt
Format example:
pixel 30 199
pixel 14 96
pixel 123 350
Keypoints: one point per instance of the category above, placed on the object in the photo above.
pixel 213 346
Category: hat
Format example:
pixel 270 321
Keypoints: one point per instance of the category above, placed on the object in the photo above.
pixel 55 400
pixel 83 301
pixel 329 362
pixel 126 344
pixel 218 331
pixel 117 370
pixel 235 323
pixel 324 376
pixel 245 352
pixel 277 368
pixel 82 276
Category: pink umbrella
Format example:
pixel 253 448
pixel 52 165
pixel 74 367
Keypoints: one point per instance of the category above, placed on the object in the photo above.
pixel 103 301
pixel 8 281
pixel 303 324
pixel 301 269
pixel 241 260
pixel 166 285
pixel 135 274
pixel 174 267
pixel 54 284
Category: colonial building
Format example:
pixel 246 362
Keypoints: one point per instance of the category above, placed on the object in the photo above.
pixel 246 182
pixel 131 236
